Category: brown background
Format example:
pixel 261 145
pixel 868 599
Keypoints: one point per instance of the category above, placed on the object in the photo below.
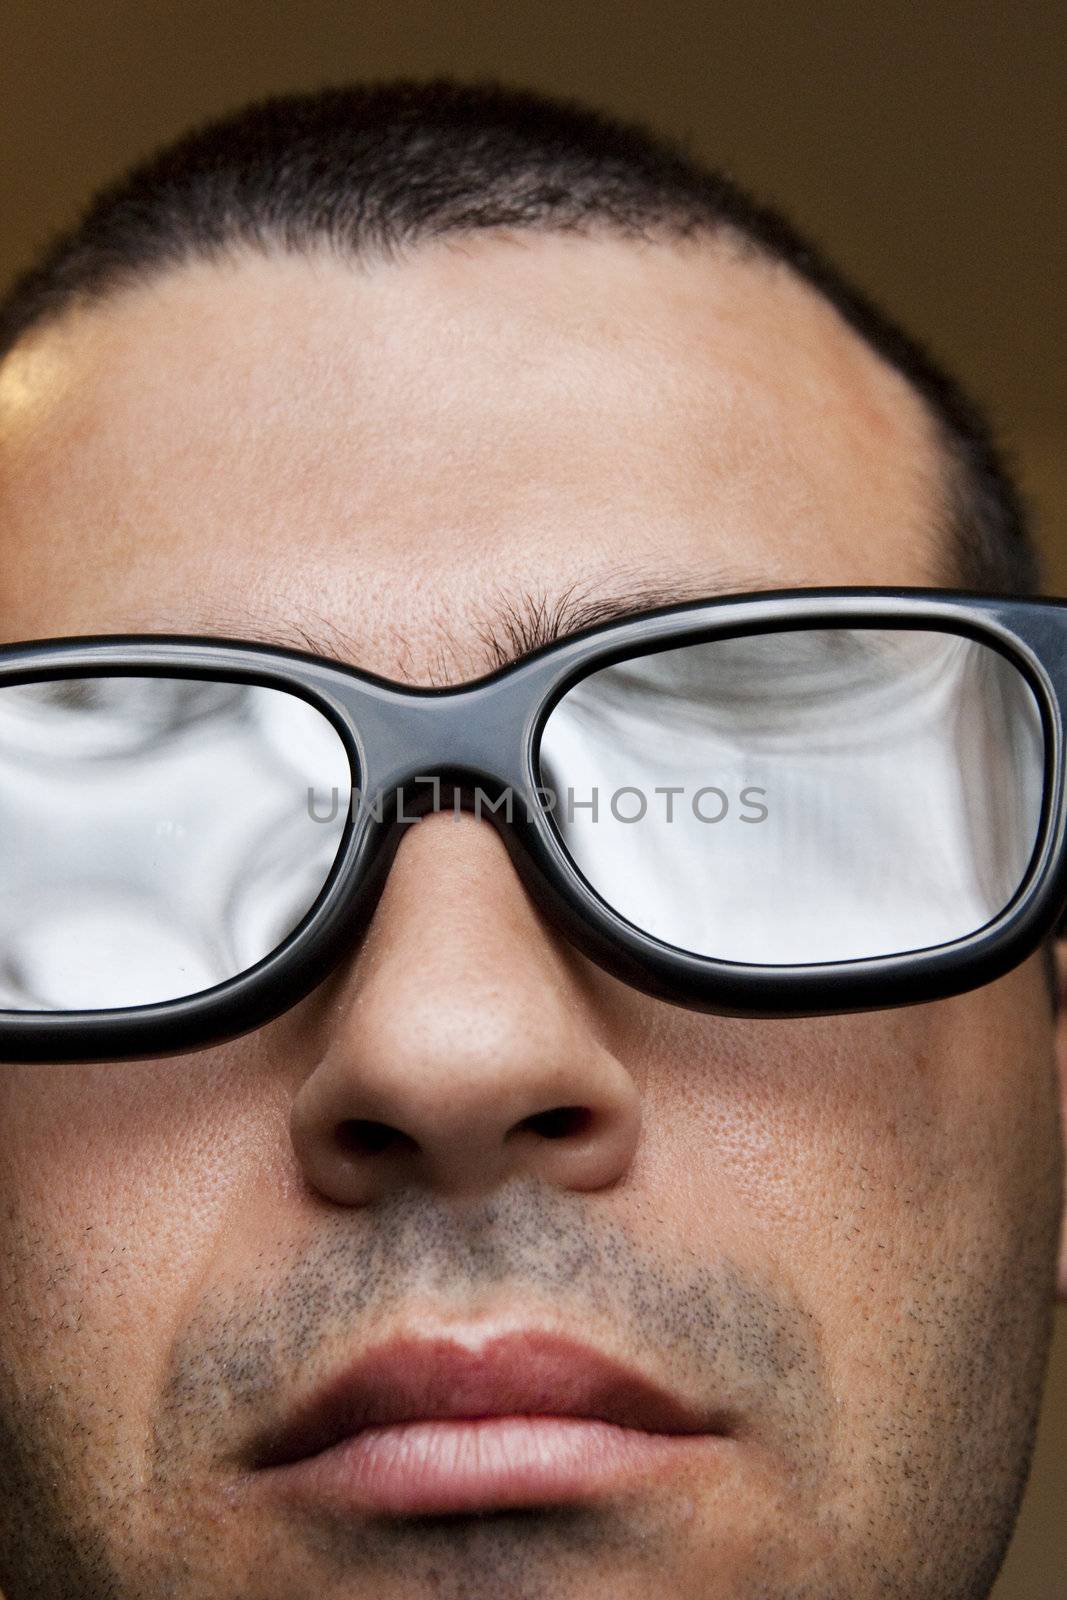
pixel 923 145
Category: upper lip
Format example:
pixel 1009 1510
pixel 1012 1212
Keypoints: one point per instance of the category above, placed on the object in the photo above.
pixel 524 1372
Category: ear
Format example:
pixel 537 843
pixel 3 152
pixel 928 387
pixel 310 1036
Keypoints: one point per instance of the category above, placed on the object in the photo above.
pixel 1061 1062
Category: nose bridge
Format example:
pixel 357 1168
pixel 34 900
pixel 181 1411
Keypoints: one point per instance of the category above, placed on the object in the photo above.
pixel 475 733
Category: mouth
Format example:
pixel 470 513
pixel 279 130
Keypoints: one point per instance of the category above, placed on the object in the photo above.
pixel 430 1426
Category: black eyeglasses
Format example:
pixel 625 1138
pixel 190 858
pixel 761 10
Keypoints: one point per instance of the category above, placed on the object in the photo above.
pixel 811 801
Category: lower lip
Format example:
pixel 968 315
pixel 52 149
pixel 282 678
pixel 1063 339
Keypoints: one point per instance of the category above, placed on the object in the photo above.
pixel 481 1464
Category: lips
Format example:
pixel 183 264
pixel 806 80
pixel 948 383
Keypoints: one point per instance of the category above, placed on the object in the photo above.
pixel 424 1426
pixel 519 1374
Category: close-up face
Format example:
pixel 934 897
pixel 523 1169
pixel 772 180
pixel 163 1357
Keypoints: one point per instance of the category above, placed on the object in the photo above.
pixel 829 1243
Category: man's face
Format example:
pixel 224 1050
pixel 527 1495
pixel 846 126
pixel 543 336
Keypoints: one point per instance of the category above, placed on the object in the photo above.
pixel 838 1231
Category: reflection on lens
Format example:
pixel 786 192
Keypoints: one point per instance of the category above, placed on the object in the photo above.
pixel 816 795
pixel 157 835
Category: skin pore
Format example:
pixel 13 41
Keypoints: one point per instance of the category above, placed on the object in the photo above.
pixel 842 1228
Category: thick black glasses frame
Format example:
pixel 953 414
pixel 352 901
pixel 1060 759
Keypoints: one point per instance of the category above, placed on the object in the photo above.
pixel 484 735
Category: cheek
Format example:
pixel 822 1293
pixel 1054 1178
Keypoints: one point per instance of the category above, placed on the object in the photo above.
pixel 850 1153
pixel 116 1184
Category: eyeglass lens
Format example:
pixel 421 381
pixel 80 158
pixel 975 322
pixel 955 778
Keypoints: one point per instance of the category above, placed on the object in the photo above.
pixel 840 793
pixel 157 835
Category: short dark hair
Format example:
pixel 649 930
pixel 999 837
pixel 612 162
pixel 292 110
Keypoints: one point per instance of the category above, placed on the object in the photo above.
pixel 373 169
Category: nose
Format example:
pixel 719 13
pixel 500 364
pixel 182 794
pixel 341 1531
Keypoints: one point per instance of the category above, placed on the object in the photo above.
pixel 461 1048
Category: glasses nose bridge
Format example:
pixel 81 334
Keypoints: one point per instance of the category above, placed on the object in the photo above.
pixel 475 735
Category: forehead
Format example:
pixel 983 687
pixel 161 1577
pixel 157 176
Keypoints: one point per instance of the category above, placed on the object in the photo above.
pixel 396 451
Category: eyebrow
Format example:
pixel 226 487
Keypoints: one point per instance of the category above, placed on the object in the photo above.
pixel 510 627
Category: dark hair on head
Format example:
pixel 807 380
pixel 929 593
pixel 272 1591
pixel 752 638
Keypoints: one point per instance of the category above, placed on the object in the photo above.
pixel 373 169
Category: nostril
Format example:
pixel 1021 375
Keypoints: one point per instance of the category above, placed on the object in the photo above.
pixel 559 1123
pixel 362 1137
